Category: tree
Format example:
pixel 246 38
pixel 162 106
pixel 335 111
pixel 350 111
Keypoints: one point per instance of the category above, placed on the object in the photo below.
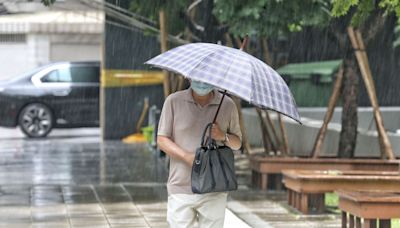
pixel 265 21
pixel 369 18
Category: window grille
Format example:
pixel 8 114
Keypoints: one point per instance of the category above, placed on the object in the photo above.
pixel 12 38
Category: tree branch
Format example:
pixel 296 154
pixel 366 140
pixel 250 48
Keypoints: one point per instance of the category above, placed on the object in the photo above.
pixel 373 26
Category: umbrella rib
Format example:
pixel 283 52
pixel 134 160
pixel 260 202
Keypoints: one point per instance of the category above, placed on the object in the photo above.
pixel 195 65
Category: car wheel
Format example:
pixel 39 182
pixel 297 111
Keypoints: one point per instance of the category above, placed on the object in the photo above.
pixel 36 120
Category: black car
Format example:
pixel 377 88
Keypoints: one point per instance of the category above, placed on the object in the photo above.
pixel 58 95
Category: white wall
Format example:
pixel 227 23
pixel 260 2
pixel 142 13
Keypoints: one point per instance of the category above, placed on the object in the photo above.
pixel 302 137
pixel 14 59
pixel 17 58
pixel 74 52
pixel 41 49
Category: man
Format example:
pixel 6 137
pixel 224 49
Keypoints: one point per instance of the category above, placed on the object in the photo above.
pixel 184 117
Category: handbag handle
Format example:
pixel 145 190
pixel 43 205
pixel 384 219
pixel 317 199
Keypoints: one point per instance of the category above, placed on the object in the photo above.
pixel 210 142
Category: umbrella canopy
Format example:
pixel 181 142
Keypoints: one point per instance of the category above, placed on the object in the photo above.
pixel 233 70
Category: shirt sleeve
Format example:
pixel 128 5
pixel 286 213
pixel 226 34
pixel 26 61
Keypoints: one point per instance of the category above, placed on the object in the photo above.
pixel 234 124
pixel 165 125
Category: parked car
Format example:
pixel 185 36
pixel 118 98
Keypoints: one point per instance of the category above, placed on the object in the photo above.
pixel 58 95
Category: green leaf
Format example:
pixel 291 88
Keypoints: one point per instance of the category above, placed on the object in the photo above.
pixel 342 7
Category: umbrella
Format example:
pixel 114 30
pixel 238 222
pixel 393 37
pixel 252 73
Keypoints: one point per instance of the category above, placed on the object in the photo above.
pixel 232 70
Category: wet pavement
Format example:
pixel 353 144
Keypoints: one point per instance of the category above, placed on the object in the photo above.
pixel 77 158
pixel 72 179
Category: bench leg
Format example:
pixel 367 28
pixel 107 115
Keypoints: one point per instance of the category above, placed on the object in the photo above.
pixel 289 197
pixel 317 202
pixel 358 222
pixel 255 179
pixel 344 219
pixel 297 200
pixel 304 203
pixel 384 223
pixel 294 199
pixel 351 221
pixel 264 181
pixel 278 182
pixel 369 223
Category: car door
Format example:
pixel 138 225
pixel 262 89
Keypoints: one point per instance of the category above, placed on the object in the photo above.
pixel 85 82
pixel 60 93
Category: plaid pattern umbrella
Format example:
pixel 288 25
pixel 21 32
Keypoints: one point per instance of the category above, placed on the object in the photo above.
pixel 233 70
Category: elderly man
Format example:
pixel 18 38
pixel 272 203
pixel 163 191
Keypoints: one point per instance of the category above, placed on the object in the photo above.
pixel 184 116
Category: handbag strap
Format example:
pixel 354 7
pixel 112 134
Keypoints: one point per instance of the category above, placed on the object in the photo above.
pixel 202 143
pixel 211 142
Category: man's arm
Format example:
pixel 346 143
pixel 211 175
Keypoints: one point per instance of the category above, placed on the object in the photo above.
pixel 173 150
pixel 233 141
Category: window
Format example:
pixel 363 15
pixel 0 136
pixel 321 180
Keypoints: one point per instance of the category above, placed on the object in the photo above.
pixel 12 38
pixel 61 75
pixel 85 74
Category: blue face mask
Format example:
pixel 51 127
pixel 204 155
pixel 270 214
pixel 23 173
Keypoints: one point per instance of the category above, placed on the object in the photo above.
pixel 201 88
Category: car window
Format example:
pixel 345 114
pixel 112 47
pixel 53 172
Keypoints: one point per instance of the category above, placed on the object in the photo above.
pixel 85 74
pixel 60 75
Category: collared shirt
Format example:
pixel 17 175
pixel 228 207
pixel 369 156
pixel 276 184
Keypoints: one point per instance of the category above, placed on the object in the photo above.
pixel 183 121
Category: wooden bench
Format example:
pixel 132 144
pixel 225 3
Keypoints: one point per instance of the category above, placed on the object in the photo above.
pixel 306 188
pixel 371 206
pixel 267 171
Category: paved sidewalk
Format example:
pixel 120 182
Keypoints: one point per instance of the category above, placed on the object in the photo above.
pixel 79 181
pixel 125 205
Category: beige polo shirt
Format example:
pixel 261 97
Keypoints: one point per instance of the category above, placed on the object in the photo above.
pixel 183 121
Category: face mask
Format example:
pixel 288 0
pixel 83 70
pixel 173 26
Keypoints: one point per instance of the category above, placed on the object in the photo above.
pixel 201 88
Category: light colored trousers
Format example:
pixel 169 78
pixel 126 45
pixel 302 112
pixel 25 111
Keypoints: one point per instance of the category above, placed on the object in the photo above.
pixel 184 210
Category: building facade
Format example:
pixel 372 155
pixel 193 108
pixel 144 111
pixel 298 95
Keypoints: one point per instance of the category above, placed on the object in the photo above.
pixel 32 35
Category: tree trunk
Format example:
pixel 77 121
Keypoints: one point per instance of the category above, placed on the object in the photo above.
pixel 348 135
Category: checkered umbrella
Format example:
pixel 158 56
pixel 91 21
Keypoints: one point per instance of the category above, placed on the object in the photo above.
pixel 233 70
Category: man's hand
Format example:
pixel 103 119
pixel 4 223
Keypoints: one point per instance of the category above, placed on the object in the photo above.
pixel 173 150
pixel 217 133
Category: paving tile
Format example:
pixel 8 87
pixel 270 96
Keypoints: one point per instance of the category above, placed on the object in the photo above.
pixel 158 224
pixel 80 199
pixel 129 226
pixel 86 221
pixel 121 206
pixel 50 225
pixel 84 208
pixel 58 209
pixel 129 220
pixel 88 216
pixel 112 193
pixel 90 226
pixel 48 218
pixel 14 200
pixel 16 225
pixel 15 211
pixel 157 193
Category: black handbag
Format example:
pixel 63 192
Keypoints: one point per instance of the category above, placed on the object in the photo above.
pixel 213 168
